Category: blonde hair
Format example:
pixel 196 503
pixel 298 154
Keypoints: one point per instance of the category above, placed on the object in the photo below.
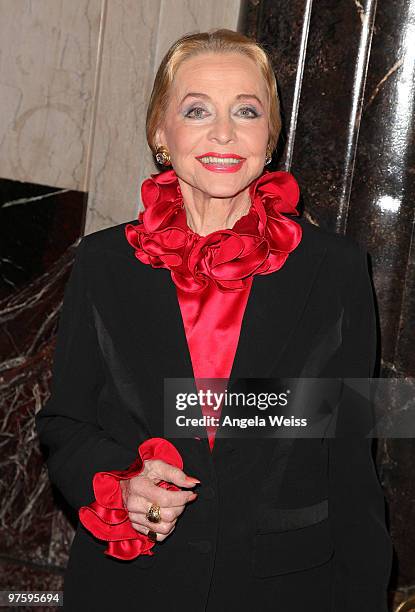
pixel 213 41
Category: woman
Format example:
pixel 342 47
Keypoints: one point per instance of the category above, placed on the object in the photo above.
pixel 219 277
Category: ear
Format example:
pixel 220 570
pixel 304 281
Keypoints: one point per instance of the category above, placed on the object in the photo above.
pixel 160 138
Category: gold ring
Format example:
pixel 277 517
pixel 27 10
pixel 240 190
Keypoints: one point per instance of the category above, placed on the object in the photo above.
pixel 152 535
pixel 153 515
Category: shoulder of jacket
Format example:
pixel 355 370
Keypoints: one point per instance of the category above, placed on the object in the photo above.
pixel 337 245
pixel 109 239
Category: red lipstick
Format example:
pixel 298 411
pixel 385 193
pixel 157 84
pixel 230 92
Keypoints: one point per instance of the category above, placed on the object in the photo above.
pixel 212 161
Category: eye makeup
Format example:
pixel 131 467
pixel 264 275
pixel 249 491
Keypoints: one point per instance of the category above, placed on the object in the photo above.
pixel 251 109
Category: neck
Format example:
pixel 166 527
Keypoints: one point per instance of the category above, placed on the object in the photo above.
pixel 206 214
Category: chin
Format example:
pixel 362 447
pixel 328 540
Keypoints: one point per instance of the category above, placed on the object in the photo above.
pixel 225 192
pixel 218 182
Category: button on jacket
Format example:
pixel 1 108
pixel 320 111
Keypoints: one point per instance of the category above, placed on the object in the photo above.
pixel 281 525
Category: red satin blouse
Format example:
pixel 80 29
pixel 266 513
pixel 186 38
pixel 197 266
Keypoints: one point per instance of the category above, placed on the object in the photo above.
pixel 213 274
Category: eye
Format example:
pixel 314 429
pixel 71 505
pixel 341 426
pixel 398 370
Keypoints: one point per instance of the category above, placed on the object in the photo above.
pixel 195 108
pixel 250 110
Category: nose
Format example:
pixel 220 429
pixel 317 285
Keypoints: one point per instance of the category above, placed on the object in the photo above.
pixel 222 130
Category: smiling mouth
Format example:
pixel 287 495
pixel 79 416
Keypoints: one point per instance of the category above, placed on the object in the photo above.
pixel 220 161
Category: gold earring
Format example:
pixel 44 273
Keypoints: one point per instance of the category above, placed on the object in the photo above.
pixel 268 158
pixel 163 156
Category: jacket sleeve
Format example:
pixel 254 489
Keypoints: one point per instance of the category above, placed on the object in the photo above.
pixel 75 445
pixel 363 548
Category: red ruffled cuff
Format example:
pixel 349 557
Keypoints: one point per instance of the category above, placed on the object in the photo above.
pixel 107 518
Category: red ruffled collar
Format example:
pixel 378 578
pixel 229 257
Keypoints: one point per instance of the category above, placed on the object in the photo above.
pixel 258 243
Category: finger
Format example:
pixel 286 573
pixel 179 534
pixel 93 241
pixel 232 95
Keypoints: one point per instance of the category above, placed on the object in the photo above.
pixel 158 469
pixel 167 514
pixel 141 505
pixel 161 536
pixel 145 530
pixel 163 527
pixel 172 499
pixel 139 517
pixel 156 495
pixel 170 514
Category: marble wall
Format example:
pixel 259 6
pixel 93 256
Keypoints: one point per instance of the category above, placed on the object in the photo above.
pixel 48 67
pixel 136 39
pixel 75 78
pixel 38 227
pixel 346 80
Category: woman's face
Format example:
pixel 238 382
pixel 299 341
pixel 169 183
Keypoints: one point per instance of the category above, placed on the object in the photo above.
pixel 218 105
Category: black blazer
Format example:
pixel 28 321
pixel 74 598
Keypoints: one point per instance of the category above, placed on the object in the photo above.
pixel 283 525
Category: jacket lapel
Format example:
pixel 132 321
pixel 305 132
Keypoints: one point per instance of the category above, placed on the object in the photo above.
pixel 272 314
pixel 274 309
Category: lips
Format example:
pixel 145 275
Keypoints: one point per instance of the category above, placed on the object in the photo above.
pixel 220 155
pixel 221 162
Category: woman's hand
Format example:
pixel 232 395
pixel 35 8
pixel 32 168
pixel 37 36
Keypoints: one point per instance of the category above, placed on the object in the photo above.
pixel 141 491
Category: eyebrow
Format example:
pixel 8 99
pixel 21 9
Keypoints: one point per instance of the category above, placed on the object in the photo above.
pixel 196 94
